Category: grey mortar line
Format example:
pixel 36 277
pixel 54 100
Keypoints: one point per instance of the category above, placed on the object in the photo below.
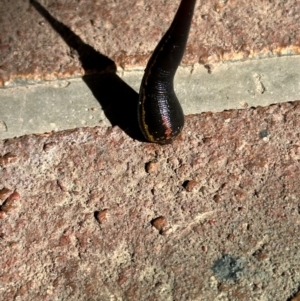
pixel 64 104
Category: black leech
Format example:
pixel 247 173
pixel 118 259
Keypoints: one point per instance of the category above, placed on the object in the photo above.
pixel 160 114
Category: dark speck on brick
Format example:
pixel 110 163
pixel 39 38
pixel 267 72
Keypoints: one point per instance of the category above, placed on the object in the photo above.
pixel 228 268
pixel 263 134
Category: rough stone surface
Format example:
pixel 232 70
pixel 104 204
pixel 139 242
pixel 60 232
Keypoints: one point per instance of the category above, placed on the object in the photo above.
pixel 235 236
pixel 72 38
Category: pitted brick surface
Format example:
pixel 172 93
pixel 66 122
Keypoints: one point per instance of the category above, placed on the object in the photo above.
pixel 127 31
pixel 83 226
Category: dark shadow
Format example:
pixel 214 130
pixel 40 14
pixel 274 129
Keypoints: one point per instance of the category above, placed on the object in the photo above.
pixel 117 99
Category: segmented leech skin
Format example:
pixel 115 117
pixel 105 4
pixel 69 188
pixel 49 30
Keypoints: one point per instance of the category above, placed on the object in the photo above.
pixel 160 115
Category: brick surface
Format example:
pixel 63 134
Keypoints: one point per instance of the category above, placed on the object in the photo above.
pixel 88 221
pixel 58 38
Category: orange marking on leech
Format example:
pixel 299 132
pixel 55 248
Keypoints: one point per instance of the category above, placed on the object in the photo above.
pixel 168 131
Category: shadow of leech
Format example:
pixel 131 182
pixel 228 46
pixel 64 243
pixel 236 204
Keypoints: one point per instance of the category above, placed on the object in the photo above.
pixel 117 99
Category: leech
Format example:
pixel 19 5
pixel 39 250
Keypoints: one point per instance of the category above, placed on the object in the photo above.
pixel 160 115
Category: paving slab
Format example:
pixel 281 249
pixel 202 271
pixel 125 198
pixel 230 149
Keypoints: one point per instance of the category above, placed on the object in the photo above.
pixel 57 39
pixel 93 214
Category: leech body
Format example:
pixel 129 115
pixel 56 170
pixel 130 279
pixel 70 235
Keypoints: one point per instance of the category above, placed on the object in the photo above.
pixel 160 115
